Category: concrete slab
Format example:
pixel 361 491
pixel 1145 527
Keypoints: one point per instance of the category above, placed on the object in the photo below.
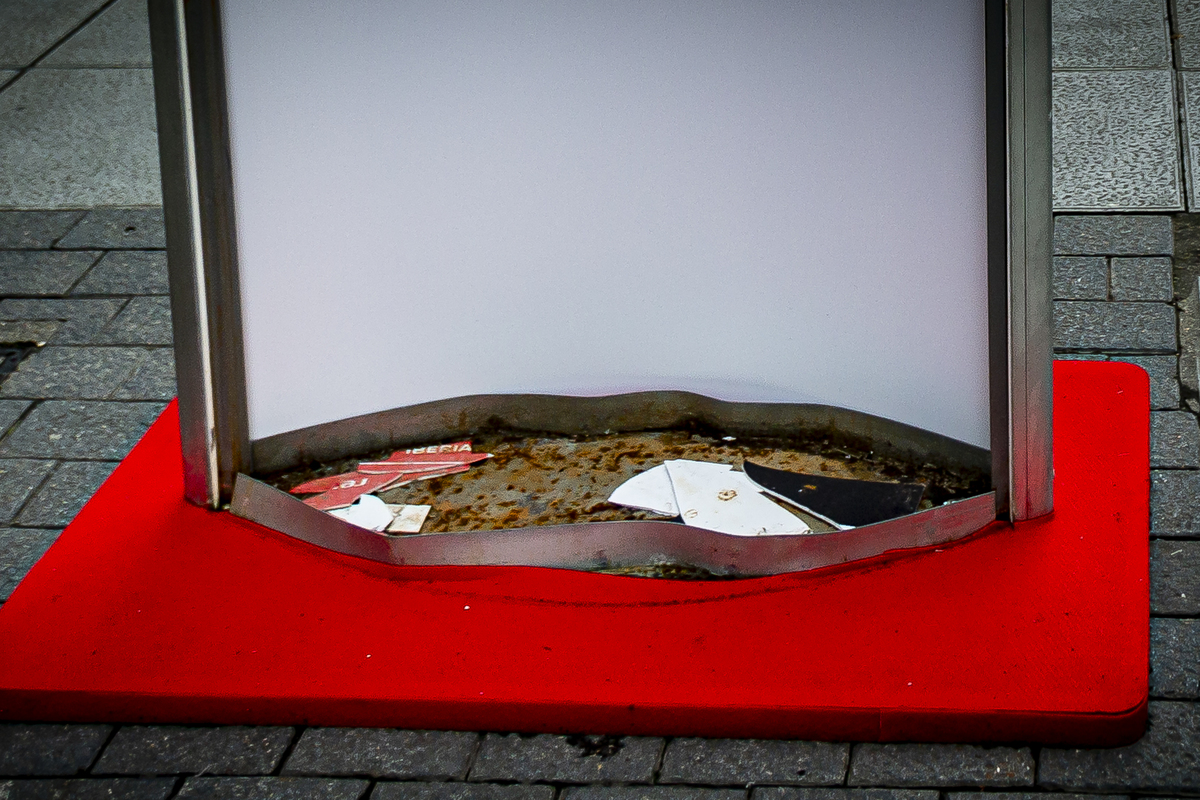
pixel 7 75
pixel 1190 86
pixel 31 27
pixel 1110 34
pixel 1186 14
pixel 78 138
pixel 118 37
pixel 1115 142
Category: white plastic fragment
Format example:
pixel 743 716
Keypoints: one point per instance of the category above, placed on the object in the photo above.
pixel 715 497
pixel 368 511
pixel 650 491
pixel 407 519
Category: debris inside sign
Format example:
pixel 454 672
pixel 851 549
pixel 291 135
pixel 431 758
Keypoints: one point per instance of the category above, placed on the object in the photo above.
pixel 710 496
pixel 407 519
pixel 368 511
pixel 401 467
pixel 843 502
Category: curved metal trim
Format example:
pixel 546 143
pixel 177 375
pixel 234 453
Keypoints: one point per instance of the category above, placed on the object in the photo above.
pixel 603 545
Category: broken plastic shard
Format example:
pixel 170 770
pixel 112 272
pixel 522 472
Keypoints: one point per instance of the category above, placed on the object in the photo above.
pixel 715 497
pixel 407 519
pixel 367 512
pixel 845 502
pixel 339 491
pixel 650 491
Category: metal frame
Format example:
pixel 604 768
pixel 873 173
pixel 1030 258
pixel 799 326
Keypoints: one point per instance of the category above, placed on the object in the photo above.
pixel 198 204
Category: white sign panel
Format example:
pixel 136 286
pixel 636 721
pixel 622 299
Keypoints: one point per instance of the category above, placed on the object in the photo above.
pixel 755 201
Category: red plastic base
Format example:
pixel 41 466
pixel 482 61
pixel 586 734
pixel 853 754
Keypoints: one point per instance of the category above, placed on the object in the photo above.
pixel 150 609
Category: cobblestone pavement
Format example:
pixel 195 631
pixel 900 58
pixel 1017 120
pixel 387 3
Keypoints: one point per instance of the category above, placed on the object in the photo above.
pixel 87 279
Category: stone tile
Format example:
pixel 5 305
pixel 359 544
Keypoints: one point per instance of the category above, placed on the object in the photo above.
pixel 154 378
pixel 118 37
pixel 1175 658
pixel 1164 378
pixel 146 320
pixel 19 478
pixel 76 138
pixel 49 749
pixel 88 789
pixel 1029 796
pixel 61 497
pixel 31 27
pixel 127 272
pixel 272 789
pixel 1173 507
pixel 73 373
pixel 1103 235
pixel 1187 30
pixel 1142 279
pixel 738 762
pixel 1174 577
pixel 1110 34
pixel 10 412
pixel 1080 278
pixel 1166 759
pixel 789 793
pixel 1114 326
pixel 35 229
pixel 574 759
pixel 1190 86
pixel 32 273
pixel 78 320
pixel 7 75
pixel 650 793
pixel 1116 144
pixel 939 765
pixel 394 790
pixel 39 331
pixel 381 753
pixel 20 549
pixel 170 750
pixel 1174 439
pixel 136 228
pixel 80 430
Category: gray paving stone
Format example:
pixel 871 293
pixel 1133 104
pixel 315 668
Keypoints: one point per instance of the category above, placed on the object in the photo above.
pixel 59 499
pixel 1146 278
pixel 1117 235
pixel 1175 659
pixel 573 759
pixel 32 273
pixel 127 272
pixel 1116 143
pixel 1164 378
pixel 395 790
pixel 135 228
pixel 154 379
pixel 1110 34
pixel 78 320
pixel 1190 87
pixel 7 75
pixel 20 549
pixel 171 750
pixel 738 762
pixel 146 320
pixel 939 765
pixel 40 331
pixel 32 26
pixel 651 793
pixel 1186 15
pixel 1029 796
pixel 88 789
pixel 1114 326
pixel 35 229
pixel 10 412
pixel 1080 278
pixel 119 37
pixel 1173 507
pixel 272 789
pixel 1174 440
pixel 789 793
pixel 73 373
pixel 19 478
pixel 80 430
pixel 78 138
pixel 1174 577
pixel 1166 759
pixel 381 753
pixel 49 749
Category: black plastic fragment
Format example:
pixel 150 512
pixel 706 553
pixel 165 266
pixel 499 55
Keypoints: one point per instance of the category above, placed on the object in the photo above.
pixel 844 501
